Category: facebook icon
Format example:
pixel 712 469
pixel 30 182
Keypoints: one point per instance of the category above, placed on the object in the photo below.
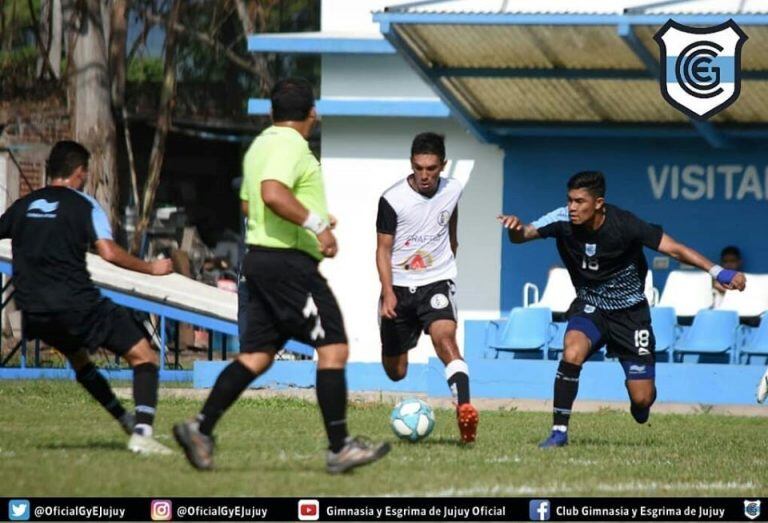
pixel 538 510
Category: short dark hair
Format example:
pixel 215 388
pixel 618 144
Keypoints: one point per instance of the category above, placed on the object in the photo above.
pixel 64 158
pixel 429 143
pixel 592 181
pixel 292 100
pixel 730 250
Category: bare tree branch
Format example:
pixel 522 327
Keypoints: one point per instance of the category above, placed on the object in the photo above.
pixel 258 60
pixel 210 42
pixel 164 115
pixel 44 50
pixel 117 43
pixel 131 161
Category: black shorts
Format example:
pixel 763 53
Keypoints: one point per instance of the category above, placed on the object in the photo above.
pixel 105 324
pixel 417 308
pixel 626 333
pixel 288 298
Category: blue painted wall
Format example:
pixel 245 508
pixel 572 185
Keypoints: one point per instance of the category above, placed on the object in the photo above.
pixel 679 382
pixel 704 197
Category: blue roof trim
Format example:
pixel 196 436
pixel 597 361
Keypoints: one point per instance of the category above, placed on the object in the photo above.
pixel 265 43
pixel 527 129
pixel 387 18
pixel 403 108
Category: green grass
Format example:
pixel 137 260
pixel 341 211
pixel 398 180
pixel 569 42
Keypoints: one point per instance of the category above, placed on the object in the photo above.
pixel 56 441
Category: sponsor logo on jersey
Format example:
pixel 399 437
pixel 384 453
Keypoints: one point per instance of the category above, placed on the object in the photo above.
pixel 419 261
pixel 42 208
pixel 423 238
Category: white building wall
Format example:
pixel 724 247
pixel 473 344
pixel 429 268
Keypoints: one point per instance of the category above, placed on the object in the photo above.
pixel 362 156
pixel 375 76
pixel 352 16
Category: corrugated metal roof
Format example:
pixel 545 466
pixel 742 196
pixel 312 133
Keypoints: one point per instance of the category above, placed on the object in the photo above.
pixel 598 69
pixel 561 100
pixel 522 46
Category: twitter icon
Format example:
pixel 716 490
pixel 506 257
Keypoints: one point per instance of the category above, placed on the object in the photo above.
pixel 18 510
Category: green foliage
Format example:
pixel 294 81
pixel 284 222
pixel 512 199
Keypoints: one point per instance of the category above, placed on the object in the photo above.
pixel 142 70
pixel 17 14
pixel 56 441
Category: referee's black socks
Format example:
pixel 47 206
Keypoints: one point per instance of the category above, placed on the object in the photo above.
pixel 566 388
pixel 331 389
pixel 232 381
pixel 145 381
pixel 98 387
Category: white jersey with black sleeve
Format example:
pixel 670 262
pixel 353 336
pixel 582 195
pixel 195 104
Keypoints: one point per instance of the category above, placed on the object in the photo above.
pixel 421 249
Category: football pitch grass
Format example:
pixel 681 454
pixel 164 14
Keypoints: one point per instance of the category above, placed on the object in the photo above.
pixel 56 441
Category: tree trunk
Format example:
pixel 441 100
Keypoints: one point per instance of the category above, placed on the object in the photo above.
pixel 44 31
pixel 117 45
pixel 54 47
pixel 164 114
pixel 50 36
pixel 90 105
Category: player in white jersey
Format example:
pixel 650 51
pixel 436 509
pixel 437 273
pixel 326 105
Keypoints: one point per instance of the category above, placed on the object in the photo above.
pixel 762 388
pixel 415 257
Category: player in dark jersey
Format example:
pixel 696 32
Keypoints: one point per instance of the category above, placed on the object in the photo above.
pixel 51 230
pixel 601 245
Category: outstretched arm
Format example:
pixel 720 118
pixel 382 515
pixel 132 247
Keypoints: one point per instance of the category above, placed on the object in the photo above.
pixel 519 232
pixel 113 253
pixel 729 279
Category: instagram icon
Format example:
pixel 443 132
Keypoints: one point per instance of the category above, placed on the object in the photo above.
pixel 161 510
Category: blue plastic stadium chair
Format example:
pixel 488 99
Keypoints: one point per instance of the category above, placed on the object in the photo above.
pixel 664 323
pixel 524 334
pixel 557 344
pixel 756 340
pixel 712 334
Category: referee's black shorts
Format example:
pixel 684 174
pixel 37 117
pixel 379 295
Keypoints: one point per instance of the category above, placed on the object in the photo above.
pixel 288 298
pixel 102 324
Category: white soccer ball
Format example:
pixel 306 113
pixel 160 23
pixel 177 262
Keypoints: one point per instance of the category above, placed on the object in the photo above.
pixel 412 419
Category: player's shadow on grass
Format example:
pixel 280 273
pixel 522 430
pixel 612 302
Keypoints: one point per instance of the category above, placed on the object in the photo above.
pixel 596 441
pixel 86 445
pixel 441 441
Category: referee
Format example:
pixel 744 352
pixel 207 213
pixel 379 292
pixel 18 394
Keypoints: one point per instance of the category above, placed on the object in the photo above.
pixel 288 234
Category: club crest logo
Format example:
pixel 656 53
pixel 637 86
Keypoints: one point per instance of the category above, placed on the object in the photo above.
pixel 752 508
pixel 439 301
pixel 700 67
pixel 443 218
pixel 590 249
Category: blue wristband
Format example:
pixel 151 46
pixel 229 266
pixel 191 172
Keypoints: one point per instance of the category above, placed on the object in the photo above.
pixel 725 277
